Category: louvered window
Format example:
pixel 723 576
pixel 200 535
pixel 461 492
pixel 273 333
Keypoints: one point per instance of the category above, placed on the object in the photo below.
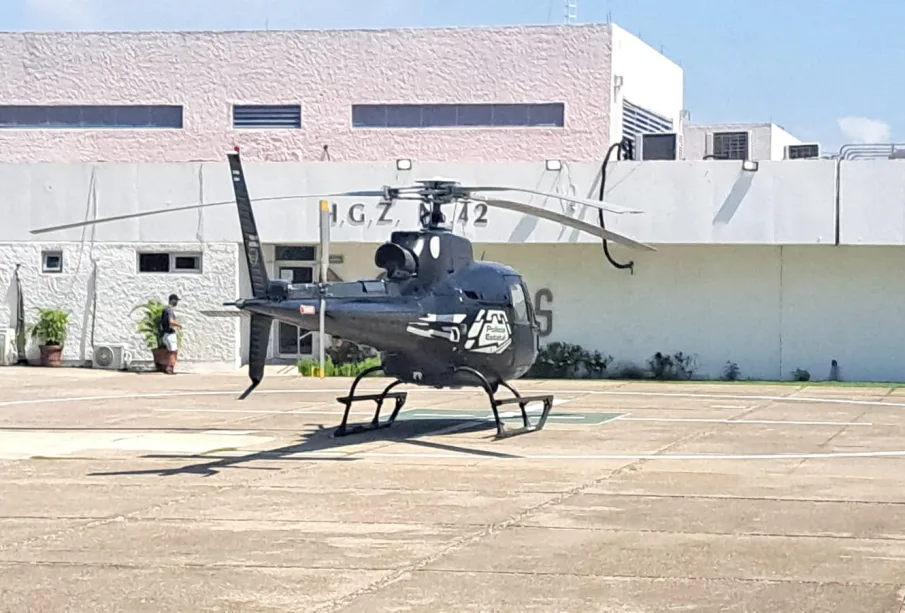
pixel 638 120
pixel 286 116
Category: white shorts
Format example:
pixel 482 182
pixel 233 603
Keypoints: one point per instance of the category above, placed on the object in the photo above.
pixel 171 342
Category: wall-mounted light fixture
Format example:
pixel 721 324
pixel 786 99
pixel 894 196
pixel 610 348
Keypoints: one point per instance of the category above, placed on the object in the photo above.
pixel 403 164
pixel 554 165
pixel 749 166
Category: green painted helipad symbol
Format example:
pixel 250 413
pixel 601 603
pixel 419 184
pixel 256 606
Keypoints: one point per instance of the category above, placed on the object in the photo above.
pixel 506 413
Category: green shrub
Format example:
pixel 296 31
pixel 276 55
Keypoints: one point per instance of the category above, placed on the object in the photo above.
pixel 149 324
pixel 677 366
pixel 51 327
pixel 309 367
pixel 567 361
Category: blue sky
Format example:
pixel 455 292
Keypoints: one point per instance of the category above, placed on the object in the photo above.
pixel 826 70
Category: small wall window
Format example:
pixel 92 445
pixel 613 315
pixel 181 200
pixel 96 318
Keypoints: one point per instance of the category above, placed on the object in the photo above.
pixel 52 261
pixel 730 145
pixel 88 116
pixel 546 115
pixel 169 262
pixel 301 253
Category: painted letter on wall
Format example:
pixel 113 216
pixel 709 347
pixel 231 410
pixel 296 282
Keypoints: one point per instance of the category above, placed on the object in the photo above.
pixel 544 315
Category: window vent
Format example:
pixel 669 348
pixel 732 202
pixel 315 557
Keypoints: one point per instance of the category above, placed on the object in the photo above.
pixel 287 116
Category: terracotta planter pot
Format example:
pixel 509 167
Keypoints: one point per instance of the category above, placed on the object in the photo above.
pixel 51 355
pixel 160 358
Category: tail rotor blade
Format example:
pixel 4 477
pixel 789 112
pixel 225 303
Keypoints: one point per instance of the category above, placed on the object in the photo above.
pixel 253 254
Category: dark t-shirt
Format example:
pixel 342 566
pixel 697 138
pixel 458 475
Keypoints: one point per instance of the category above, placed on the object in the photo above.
pixel 166 319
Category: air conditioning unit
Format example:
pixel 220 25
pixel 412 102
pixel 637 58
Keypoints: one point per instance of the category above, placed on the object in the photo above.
pixel 110 357
pixel 803 151
pixel 8 355
pixel 658 146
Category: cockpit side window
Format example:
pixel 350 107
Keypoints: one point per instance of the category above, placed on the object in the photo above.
pixel 519 301
pixel 531 318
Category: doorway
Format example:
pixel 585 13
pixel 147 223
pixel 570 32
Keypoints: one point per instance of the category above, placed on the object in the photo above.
pixel 293 341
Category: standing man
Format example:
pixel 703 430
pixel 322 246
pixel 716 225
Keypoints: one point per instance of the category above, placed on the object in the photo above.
pixel 168 328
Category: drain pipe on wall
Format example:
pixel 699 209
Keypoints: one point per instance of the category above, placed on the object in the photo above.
pixel 838 198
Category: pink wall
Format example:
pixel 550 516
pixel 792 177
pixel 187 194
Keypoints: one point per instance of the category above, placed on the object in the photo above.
pixel 325 71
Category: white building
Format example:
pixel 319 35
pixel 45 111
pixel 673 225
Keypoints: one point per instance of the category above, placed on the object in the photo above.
pixel 743 141
pixel 786 267
pixel 433 94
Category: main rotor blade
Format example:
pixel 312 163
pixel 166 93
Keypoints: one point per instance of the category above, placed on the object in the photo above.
pixel 190 207
pixel 597 204
pixel 565 220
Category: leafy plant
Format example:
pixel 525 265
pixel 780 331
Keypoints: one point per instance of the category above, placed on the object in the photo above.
pixel 51 327
pixel 677 366
pixel 565 361
pixel 347 352
pixel 629 370
pixel 309 367
pixel 149 324
pixel 731 372
pixel 800 374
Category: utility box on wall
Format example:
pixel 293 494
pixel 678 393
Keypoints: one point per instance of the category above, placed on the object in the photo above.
pixel 8 355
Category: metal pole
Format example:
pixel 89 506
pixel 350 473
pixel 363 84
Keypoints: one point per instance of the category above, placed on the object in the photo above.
pixel 325 261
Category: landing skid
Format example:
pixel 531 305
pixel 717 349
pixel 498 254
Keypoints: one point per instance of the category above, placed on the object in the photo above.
pixel 521 401
pixel 345 429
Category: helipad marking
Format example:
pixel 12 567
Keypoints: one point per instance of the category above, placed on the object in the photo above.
pixel 628 456
pixel 771 422
pixel 235 393
pixel 592 417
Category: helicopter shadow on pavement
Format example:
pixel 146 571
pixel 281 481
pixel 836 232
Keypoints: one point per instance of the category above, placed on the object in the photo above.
pixel 408 431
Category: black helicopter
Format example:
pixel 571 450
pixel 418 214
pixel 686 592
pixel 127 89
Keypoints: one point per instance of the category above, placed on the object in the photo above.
pixel 438 317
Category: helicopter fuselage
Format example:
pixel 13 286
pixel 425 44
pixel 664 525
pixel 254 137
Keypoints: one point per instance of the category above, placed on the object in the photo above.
pixel 477 316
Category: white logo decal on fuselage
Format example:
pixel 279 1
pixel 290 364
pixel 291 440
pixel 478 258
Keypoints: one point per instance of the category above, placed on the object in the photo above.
pixel 490 332
pixel 433 325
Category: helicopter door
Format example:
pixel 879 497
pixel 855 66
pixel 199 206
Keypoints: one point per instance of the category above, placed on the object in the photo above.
pixel 523 329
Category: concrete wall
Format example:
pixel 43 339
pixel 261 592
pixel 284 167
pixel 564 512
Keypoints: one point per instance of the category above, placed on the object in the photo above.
pixel 324 71
pixel 99 287
pixel 747 268
pixel 770 309
pixel 684 202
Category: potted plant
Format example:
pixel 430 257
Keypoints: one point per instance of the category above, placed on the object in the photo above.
pixel 149 328
pixel 50 332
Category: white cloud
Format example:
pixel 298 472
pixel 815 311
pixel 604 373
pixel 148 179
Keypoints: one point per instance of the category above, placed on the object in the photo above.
pixel 860 130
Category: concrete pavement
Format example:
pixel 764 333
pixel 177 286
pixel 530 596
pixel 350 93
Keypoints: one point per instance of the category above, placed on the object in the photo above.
pixel 139 493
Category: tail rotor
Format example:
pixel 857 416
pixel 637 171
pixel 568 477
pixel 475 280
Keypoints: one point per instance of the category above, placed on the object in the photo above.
pixel 261 325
